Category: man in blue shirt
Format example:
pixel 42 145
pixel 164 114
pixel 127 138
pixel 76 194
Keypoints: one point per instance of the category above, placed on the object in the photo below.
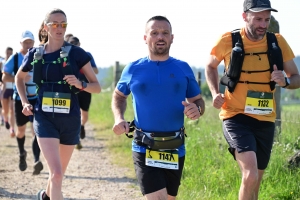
pixel 163 90
pixel 10 68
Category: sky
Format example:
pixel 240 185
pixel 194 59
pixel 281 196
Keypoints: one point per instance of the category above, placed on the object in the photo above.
pixel 113 30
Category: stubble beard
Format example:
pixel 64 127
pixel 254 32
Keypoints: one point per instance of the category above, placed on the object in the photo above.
pixel 254 35
pixel 161 51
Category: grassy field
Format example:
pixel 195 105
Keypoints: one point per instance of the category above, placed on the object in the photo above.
pixel 210 173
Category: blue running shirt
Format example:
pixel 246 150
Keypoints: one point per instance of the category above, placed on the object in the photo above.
pixel 158 88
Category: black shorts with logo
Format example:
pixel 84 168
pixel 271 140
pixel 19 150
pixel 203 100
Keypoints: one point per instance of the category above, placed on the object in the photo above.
pixel 152 179
pixel 244 133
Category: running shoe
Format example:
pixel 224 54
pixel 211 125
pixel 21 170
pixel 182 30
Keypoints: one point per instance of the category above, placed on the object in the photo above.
pixel 40 194
pixel 37 168
pixel 82 132
pixel 7 126
pixel 22 163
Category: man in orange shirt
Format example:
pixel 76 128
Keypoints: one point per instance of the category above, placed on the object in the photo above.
pixel 249 111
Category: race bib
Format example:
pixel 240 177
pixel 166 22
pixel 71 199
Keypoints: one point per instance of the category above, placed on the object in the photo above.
pixel 259 103
pixel 56 102
pixel 167 159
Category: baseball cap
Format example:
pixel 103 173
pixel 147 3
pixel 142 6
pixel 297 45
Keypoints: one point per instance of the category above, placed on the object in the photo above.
pixel 26 35
pixel 258 5
pixel 74 40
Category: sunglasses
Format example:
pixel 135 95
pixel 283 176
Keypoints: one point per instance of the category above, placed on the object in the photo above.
pixel 56 25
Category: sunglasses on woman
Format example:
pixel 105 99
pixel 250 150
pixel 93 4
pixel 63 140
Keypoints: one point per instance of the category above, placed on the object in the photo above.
pixel 56 25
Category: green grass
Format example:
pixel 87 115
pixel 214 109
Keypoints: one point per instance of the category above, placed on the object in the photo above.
pixel 210 173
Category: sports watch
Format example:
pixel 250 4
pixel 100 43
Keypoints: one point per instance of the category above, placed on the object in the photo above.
pixel 287 82
pixel 200 110
pixel 83 85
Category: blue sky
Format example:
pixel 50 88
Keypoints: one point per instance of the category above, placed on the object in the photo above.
pixel 113 30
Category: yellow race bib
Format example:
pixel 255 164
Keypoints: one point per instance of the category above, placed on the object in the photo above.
pixel 259 103
pixel 57 102
pixel 167 159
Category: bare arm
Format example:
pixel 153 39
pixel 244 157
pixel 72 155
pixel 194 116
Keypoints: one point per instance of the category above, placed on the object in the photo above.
pixel 20 80
pixel 292 74
pixel 96 70
pixel 92 87
pixel 212 78
pixel 118 106
pixel 198 101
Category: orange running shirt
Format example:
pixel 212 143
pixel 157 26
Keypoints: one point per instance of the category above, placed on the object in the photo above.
pixel 235 102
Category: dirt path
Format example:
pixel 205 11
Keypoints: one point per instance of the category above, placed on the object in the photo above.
pixel 90 174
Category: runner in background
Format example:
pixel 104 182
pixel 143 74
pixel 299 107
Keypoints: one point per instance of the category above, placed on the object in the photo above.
pixel 7 98
pixel 83 97
pixel 10 69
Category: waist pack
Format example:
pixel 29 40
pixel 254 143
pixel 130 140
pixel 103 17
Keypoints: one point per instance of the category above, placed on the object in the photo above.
pixel 157 140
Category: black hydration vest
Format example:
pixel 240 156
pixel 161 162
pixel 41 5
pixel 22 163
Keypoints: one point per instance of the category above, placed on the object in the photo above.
pixel 274 56
pixel 64 60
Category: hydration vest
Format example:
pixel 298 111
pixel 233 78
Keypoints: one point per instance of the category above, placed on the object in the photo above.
pixel 64 60
pixel 274 56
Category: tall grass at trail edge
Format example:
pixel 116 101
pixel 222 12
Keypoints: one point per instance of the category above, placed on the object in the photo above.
pixel 210 172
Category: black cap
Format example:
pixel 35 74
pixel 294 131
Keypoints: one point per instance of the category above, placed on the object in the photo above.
pixel 258 5
pixel 73 40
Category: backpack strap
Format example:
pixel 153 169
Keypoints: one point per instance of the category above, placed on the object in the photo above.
pixel 66 65
pixel 38 66
pixel 274 55
pixel 16 67
pixel 235 64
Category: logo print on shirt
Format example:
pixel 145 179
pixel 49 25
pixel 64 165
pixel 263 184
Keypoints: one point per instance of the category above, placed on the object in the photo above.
pixel 172 76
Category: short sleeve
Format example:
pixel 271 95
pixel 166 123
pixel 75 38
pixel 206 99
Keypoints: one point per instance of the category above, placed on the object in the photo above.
pixel 222 46
pixel 80 56
pixel 193 88
pixel 92 60
pixel 124 82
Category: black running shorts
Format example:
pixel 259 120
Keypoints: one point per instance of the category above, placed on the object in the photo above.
pixel 22 119
pixel 84 99
pixel 244 133
pixel 152 179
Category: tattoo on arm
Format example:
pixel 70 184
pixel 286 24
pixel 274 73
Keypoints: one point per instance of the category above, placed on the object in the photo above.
pixel 118 105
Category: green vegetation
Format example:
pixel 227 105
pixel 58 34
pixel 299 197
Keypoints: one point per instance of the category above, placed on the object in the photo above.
pixel 210 173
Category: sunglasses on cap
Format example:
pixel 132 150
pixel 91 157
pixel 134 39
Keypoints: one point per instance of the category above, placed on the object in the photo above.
pixel 56 25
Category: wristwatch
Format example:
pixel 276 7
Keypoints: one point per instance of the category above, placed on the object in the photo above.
pixel 287 82
pixel 199 109
pixel 83 85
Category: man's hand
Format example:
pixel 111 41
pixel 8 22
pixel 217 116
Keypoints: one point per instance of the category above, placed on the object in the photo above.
pixel 218 100
pixel 121 127
pixel 191 110
pixel 277 76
